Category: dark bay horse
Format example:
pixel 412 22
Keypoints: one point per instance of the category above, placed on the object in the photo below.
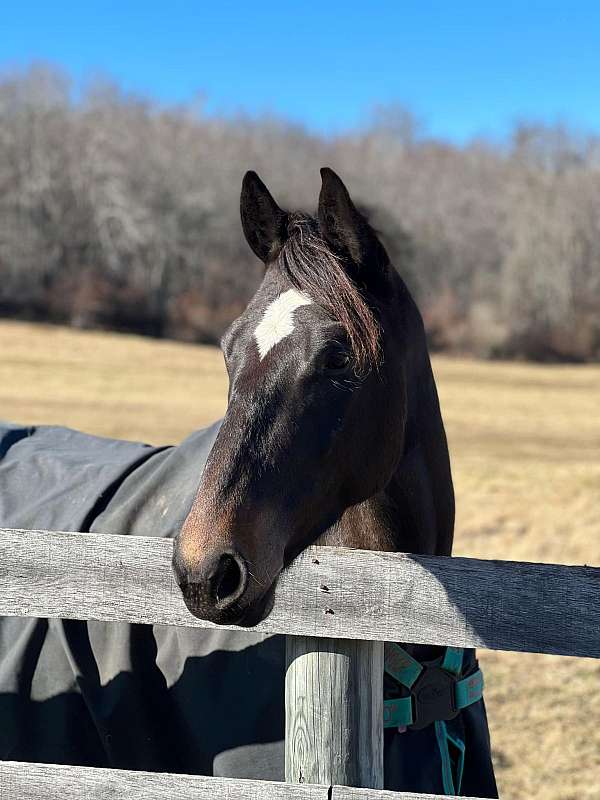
pixel 333 434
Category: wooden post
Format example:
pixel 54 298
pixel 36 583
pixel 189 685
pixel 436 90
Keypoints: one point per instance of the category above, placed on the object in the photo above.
pixel 334 712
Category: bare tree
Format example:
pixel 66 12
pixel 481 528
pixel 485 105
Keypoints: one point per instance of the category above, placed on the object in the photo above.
pixel 117 212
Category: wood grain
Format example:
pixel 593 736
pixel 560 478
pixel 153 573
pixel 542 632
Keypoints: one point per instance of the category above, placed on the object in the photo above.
pixel 20 781
pixel 502 605
pixel 333 712
pixel 350 793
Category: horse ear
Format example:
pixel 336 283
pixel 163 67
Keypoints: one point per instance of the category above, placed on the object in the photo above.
pixel 346 229
pixel 263 222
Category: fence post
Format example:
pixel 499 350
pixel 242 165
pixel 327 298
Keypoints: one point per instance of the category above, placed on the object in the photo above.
pixel 334 712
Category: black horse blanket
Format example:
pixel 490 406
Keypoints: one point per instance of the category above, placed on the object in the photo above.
pixel 146 697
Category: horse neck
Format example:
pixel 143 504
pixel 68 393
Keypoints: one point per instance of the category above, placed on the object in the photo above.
pixel 415 512
pixel 422 485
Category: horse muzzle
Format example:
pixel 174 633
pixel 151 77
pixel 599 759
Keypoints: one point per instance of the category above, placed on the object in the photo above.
pixel 215 588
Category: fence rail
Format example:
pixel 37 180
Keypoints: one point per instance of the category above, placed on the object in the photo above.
pixel 21 781
pixel 328 592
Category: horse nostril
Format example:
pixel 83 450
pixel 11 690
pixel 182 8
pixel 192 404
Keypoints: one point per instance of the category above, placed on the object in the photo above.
pixel 229 579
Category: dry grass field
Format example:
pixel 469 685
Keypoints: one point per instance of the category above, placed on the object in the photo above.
pixel 525 444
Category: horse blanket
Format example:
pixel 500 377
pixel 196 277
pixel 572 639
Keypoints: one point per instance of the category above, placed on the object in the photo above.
pixel 156 698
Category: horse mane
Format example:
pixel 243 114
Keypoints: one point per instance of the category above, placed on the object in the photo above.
pixel 314 268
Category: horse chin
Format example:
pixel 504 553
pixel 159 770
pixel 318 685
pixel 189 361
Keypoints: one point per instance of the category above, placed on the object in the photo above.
pixel 258 610
pixel 244 617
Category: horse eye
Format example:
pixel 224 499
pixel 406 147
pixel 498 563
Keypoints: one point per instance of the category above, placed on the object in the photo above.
pixel 337 360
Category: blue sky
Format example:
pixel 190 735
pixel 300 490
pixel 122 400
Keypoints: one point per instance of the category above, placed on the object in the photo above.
pixel 465 68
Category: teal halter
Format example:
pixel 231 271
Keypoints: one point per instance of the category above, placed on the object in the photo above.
pixel 437 694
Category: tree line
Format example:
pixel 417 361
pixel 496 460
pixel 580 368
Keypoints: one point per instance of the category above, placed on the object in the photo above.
pixel 118 212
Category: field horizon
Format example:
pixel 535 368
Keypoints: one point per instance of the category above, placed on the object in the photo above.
pixel 525 447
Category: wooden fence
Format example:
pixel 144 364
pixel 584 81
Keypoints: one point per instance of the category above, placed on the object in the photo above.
pixel 341 605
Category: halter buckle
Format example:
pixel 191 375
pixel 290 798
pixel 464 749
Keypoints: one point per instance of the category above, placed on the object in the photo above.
pixel 433 696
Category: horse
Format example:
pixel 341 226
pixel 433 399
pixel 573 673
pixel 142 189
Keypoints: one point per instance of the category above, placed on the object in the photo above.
pixel 333 435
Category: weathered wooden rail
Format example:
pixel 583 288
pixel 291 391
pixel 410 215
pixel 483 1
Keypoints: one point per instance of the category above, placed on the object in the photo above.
pixel 339 604
pixel 20 781
pixel 330 592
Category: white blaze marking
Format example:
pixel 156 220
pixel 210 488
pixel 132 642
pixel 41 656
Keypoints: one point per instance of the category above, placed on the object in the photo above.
pixel 278 320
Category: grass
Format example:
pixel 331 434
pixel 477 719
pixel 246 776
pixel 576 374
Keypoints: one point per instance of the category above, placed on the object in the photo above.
pixel 525 445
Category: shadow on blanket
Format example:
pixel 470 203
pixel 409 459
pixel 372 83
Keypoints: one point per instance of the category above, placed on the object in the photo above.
pixel 136 721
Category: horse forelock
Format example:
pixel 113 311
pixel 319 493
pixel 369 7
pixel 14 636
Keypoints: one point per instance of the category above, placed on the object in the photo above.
pixel 316 270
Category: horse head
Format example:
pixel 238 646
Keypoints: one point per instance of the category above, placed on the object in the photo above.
pixel 332 431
